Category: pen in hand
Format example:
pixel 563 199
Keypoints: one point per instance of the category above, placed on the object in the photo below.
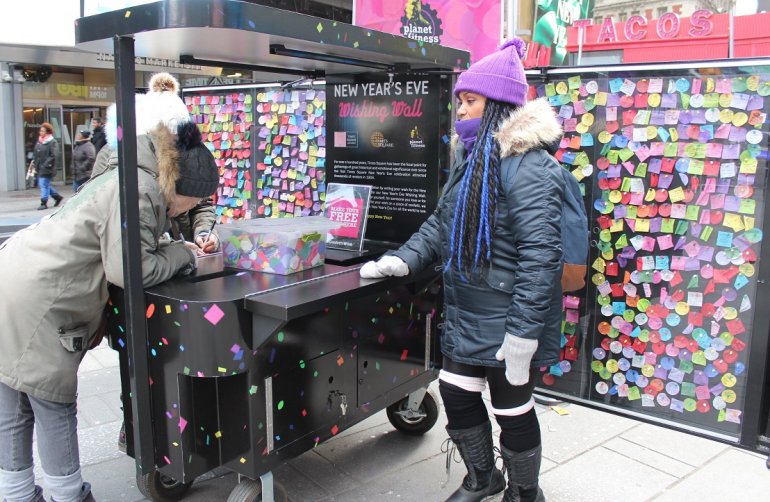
pixel 205 242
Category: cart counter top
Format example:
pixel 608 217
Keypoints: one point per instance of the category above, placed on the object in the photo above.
pixel 282 297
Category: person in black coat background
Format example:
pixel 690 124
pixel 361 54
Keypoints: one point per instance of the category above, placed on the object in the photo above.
pixel 98 137
pixel 83 158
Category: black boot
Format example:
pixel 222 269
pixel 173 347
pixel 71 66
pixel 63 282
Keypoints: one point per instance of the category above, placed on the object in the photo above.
pixel 43 204
pixel 523 470
pixel 58 198
pixel 483 479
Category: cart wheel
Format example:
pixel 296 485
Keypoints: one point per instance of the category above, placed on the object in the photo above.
pixel 251 491
pixel 418 425
pixel 161 488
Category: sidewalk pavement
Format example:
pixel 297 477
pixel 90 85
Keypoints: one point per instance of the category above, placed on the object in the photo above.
pixel 588 455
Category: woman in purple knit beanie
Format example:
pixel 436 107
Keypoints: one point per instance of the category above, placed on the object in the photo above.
pixel 497 232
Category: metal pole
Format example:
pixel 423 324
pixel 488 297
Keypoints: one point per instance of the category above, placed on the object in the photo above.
pixel 581 31
pixel 512 18
pixel 133 308
pixel 730 31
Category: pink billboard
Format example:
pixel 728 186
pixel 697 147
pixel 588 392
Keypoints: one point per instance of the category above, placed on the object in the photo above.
pixel 472 25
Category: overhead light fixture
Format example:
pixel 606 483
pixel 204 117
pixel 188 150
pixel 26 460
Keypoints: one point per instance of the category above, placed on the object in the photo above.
pixel 235 75
pixel 189 59
pixel 281 50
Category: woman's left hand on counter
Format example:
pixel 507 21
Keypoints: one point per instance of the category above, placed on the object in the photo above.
pixel 384 267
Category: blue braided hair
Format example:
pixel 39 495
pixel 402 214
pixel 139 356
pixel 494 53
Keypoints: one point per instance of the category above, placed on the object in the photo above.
pixel 470 241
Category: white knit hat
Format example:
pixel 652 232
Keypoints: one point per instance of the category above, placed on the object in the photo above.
pixel 161 104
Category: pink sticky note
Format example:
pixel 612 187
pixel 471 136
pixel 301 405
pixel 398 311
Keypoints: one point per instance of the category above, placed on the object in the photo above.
pixel 214 314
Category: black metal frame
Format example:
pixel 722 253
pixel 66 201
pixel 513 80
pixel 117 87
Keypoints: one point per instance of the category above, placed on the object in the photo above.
pixel 132 259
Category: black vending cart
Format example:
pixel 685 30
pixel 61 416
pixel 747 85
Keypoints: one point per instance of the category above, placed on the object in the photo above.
pixel 241 369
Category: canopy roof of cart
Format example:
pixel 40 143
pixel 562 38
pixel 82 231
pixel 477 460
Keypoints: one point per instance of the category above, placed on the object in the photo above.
pixel 208 32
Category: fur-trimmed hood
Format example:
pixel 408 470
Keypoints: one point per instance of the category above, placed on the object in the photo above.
pixel 156 153
pixel 529 127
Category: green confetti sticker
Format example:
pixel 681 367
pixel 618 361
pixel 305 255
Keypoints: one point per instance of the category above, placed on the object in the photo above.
pixel 280 405
pixel 253 390
pixel 280 336
pixel 320 27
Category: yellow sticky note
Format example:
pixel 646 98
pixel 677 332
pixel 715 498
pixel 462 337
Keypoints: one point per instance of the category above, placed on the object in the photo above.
pixel 600 99
pixel 676 194
pixel 642 225
pixel 734 222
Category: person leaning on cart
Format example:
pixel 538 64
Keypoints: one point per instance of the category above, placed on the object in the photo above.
pixel 54 290
pixel 497 231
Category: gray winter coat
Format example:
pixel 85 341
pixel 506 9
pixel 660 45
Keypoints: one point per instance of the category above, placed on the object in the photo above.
pixel 55 273
pixel 521 292
pixel 83 158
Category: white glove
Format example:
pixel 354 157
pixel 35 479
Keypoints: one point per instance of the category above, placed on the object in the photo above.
pixel 517 353
pixel 392 266
pixel 369 271
pixel 384 267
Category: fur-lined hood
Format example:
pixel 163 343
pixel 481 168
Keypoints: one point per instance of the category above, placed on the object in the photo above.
pixel 156 153
pixel 529 127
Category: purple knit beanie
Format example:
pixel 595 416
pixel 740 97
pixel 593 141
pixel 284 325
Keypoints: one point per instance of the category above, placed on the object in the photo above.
pixel 499 76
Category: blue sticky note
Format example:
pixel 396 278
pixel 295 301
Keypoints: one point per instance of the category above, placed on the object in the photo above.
pixel 663 133
pixel 618 308
pixel 616 84
pixel 724 239
pixel 661 262
pixel 586 139
pixel 740 281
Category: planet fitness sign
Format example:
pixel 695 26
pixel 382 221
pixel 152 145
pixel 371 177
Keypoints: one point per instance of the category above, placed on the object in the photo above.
pixel 668 26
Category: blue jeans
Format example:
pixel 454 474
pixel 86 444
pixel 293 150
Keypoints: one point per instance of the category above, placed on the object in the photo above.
pixel 56 425
pixel 46 188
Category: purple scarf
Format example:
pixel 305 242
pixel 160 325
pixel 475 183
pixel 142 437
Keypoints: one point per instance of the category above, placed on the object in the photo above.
pixel 467 131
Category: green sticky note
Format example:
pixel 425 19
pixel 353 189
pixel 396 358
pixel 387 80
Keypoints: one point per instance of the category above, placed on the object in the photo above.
pixel 681 227
pixel 705 235
pixel 693 282
pixel 574 82
pixel 667 226
pixel 686 366
pixel 692 212
pixel 625 154
pixel 582 159
pixel 670 149
pixel 748 206
pixel 695 167
pixel 631 212
pixel 641 170
pixel 626 185
pixel 612 156
pixel 550 90
pixel 688 389
pixel 633 393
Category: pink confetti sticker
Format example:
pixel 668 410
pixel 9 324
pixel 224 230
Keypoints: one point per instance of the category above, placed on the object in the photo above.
pixel 235 348
pixel 214 315
pixel 182 424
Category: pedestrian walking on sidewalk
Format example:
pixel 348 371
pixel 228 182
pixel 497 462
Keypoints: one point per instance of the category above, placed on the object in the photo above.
pixel 497 232
pixel 45 153
pixel 83 158
pixel 63 265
